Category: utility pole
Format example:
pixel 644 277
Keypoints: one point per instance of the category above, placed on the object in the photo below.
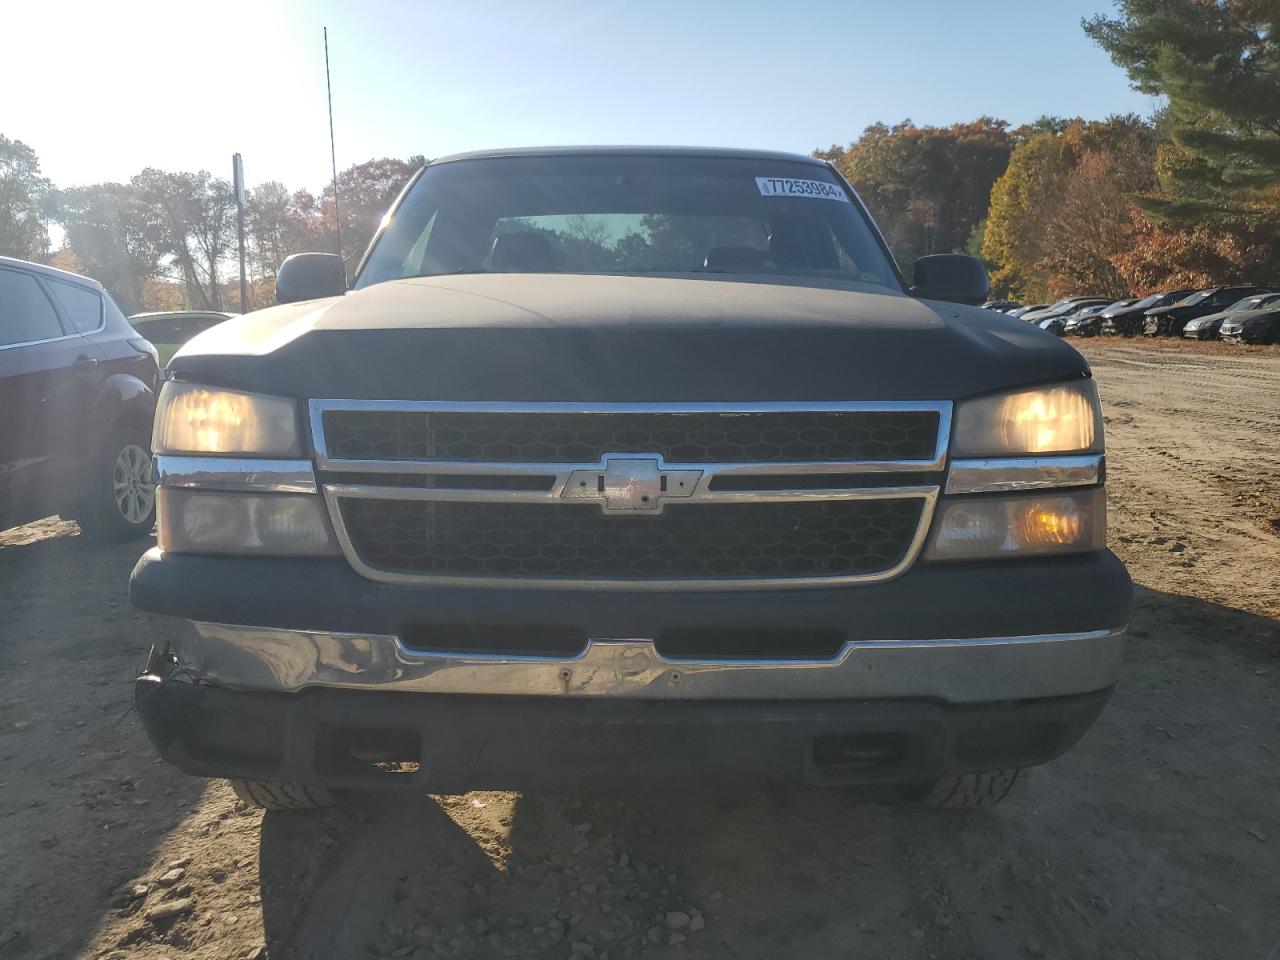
pixel 333 153
pixel 237 180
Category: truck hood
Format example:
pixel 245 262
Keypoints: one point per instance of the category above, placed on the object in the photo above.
pixel 557 337
pixel 1210 319
pixel 1119 312
pixel 1178 311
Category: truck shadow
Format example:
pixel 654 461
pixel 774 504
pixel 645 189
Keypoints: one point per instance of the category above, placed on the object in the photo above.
pixel 1110 850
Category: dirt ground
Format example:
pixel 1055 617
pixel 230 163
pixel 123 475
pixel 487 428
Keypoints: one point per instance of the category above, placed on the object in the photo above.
pixel 1158 836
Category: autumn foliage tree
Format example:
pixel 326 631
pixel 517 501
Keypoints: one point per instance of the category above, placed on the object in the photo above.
pixel 281 222
pixel 927 187
pixel 1159 257
pixel 365 192
pixel 167 239
pixel 1089 224
pixel 1060 212
pixel 1014 239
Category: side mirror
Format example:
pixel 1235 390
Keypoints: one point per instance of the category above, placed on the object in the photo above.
pixel 950 276
pixel 310 276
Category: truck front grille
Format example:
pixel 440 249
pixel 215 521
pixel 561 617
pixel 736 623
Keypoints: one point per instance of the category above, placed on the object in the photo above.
pixel 623 495
pixel 829 538
pixel 567 437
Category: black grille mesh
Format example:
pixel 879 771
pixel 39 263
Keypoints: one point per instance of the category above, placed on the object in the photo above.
pixel 708 540
pixel 585 437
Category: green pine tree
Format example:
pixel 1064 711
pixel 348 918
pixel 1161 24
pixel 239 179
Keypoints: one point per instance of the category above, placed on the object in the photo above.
pixel 1218 66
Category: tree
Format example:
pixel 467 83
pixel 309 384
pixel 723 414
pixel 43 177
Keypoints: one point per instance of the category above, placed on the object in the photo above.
pixel 1218 66
pixel 24 194
pixel 314 229
pixel 1015 239
pixel 1092 220
pixel 111 230
pixel 1160 257
pixel 1041 124
pixel 269 228
pixel 167 238
pixel 193 226
pixel 928 187
pixel 1060 212
pixel 280 223
pixel 973 245
pixel 365 192
pixel 1089 224
pixel 166 295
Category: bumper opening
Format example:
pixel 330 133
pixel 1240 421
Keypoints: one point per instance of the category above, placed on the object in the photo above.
pixel 677 643
pixel 718 644
pixel 528 641
pixel 851 758
pixel 367 753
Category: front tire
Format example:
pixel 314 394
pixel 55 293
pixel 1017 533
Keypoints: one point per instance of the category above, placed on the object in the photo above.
pixel 281 796
pixel 120 503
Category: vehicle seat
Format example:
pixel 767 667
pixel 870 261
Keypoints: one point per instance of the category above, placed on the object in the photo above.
pixel 729 259
pixel 788 244
pixel 522 253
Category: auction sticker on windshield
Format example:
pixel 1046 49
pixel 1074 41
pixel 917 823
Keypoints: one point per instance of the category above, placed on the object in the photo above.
pixel 789 187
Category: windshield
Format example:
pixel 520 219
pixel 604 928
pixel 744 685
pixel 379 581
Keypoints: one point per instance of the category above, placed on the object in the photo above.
pixel 1150 301
pixel 1249 303
pixel 1197 297
pixel 624 214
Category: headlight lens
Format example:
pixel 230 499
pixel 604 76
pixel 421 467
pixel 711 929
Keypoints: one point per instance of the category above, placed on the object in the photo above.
pixel 271 524
pixel 998 526
pixel 1059 419
pixel 194 419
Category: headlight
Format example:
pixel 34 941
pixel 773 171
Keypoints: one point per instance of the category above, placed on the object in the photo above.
pixel 1059 419
pixel 999 526
pixel 194 419
pixel 278 524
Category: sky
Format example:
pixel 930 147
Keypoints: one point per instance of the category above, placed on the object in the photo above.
pixel 101 90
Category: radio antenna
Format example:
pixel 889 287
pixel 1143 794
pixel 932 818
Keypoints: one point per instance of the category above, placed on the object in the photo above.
pixel 333 153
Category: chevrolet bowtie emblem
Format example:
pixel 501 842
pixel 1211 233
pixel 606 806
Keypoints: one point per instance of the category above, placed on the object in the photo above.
pixel 631 483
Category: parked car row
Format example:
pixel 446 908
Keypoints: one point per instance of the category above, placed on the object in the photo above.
pixel 1259 315
pixel 1241 314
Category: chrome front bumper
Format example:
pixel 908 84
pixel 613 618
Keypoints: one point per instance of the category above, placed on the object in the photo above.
pixel 950 670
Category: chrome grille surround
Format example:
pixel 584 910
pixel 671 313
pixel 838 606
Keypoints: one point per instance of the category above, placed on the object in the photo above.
pixel 696 481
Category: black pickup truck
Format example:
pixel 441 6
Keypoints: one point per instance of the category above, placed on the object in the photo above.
pixel 627 465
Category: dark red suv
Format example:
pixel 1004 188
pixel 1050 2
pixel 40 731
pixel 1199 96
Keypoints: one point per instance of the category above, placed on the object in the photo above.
pixel 77 396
